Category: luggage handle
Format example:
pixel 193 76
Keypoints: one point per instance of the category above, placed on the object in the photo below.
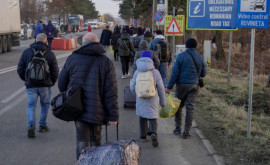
pixel 106 132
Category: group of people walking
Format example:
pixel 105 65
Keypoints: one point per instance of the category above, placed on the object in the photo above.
pixel 151 56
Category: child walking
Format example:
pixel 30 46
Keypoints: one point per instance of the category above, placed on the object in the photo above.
pixel 148 87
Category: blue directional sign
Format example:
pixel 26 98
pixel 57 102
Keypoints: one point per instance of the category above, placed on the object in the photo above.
pixel 253 14
pixel 212 14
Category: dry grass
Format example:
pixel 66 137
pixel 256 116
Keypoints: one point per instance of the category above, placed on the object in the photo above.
pixel 222 114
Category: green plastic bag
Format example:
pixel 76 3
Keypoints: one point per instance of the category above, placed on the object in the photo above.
pixel 171 107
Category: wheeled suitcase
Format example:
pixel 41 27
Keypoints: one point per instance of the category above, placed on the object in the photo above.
pixel 123 152
pixel 129 98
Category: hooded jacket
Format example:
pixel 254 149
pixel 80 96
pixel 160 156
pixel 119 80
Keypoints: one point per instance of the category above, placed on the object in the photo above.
pixel 157 39
pixel 27 56
pixel 39 29
pixel 125 45
pixel 106 36
pixel 100 87
pixel 143 47
pixel 50 30
pixel 148 108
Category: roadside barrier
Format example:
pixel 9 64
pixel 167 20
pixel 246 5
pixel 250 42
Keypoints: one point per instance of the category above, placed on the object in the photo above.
pixel 59 44
pixel 64 44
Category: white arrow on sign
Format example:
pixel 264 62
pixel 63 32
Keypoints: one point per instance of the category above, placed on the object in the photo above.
pixel 173 28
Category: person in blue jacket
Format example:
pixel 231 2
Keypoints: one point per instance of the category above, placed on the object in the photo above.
pixel 50 33
pixel 39 29
pixel 187 68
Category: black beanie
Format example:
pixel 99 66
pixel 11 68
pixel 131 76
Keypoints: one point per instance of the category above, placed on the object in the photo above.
pixel 191 43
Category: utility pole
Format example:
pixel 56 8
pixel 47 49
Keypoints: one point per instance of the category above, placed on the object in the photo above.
pixel 153 15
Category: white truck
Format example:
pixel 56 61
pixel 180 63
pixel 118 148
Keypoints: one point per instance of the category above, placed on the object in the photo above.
pixel 10 26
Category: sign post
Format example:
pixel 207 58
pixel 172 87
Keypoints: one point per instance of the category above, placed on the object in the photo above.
pixel 252 14
pixel 229 58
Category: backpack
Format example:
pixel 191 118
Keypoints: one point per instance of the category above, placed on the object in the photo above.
pixel 145 85
pixel 162 51
pixel 38 68
pixel 136 41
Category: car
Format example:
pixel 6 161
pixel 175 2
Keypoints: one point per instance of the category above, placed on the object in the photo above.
pixel 28 32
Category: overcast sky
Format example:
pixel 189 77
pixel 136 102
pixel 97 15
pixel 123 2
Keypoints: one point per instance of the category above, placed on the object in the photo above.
pixel 107 6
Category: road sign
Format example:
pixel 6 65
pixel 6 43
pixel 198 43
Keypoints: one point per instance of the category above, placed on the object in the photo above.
pixel 212 15
pixel 173 28
pixel 253 14
pixel 158 16
pixel 162 8
pixel 180 20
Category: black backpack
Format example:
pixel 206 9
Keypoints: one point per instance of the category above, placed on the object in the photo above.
pixel 162 51
pixel 38 68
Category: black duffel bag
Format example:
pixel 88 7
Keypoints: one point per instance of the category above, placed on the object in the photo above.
pixel 68 105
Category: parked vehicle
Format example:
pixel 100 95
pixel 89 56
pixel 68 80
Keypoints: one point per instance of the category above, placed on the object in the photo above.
pixel 10 25
pixel 75 23
pixel 29 31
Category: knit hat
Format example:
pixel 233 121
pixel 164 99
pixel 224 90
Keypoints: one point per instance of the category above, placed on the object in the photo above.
pixel 191 43
pixel 147 54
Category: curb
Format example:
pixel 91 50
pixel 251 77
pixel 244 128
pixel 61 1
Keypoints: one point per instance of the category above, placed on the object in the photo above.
pixel 219 159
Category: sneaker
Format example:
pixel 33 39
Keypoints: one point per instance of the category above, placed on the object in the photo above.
pixel 123 77
pixel 177 131
pixel 154 140
pixel 186 135
pixel 128 75
pixel 31 132
pixel 43 129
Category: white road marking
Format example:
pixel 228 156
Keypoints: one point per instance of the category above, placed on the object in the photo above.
pixel 12 104
pixel 12 68
pixel 13 95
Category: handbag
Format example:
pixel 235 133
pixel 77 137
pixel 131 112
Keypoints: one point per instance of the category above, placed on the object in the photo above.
pixel 131 54
pixel 201 83
pixel 68 105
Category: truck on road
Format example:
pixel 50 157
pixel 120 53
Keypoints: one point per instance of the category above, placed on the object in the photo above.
pixel 10 26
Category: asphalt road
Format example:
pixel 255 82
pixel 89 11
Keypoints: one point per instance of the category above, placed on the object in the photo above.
pixel 57 147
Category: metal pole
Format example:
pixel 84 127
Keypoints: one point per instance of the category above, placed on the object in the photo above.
pixel 173 52
pixel 251 80
pixel 229 58
pixel 166 13
pixel 153 15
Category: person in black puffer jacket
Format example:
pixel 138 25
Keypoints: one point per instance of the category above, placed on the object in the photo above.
pixel 116 35
pixel 100 90
pixel 105 38
pixel 38 88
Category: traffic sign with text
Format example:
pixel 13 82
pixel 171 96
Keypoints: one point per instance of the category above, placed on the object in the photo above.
pixel 179 22
pixel 253 14
pixel 212 14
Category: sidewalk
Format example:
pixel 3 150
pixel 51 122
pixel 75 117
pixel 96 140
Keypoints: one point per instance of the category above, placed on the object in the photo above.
pixel 173 149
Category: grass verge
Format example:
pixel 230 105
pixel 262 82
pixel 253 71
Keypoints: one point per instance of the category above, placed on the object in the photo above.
pixel 222 115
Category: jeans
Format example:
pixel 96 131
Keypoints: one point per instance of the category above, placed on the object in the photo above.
pixel 50 42
pixel 144 126
pixel 87 134
pixel 163 71
pixel 125 64
pixel 187 93
pixel 45 98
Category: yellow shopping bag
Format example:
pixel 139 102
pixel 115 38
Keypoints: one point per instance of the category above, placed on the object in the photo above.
pixel 111 50
pixel 171 107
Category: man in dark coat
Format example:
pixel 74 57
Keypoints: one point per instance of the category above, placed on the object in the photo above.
pixel 105 38
pixel 100 90
pixel 50 33
pixel 116 35
pixel 39 88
